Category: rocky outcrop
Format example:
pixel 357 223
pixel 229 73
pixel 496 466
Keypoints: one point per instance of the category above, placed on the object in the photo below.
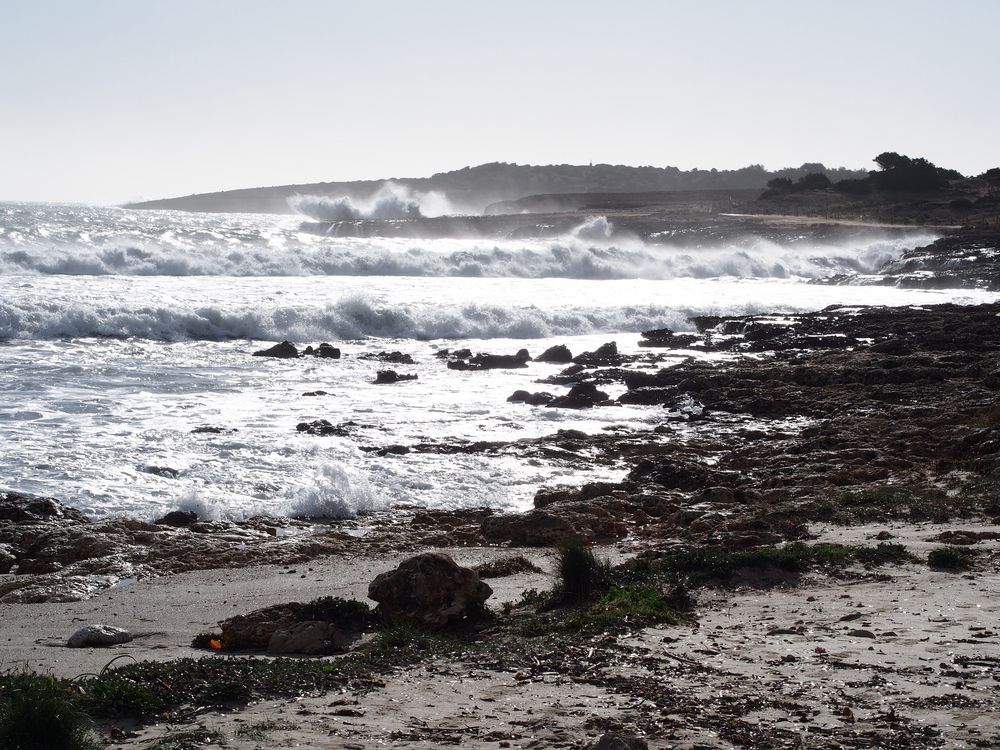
pixel 429 590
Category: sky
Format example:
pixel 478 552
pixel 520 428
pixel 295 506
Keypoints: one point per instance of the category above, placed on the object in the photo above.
pixel 117 100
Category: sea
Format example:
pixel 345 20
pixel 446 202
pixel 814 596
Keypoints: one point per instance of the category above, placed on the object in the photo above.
pixel 125 333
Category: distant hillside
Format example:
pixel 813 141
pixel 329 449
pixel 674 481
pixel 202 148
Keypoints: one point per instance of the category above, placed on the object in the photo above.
pixel 903 190
pixel 473 188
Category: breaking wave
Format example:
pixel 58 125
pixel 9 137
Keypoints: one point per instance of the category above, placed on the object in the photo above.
pixel 349 318
pixel 578 256
pixel 389 202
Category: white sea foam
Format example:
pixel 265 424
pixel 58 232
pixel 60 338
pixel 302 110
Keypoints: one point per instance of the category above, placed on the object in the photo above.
pixel 331 491
pixel 391 201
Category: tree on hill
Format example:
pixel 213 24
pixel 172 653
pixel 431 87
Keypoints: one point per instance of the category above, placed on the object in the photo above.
pixel 904 173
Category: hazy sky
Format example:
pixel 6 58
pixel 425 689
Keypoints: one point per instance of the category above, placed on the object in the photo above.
pixel 112 100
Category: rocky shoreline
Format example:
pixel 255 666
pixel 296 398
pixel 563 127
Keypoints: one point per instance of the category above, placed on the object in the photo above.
pixel 805 417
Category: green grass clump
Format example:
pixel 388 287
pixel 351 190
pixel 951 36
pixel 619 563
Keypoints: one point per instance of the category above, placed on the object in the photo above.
pixel 620 607
pixel 581 575
pixel 40 713
pixel 950 558
pixel 884 554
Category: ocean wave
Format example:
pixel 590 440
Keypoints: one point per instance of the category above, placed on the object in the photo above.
pixel 351 317
pixel 582 255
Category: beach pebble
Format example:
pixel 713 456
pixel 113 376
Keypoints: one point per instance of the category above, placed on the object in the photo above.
pixel 98 636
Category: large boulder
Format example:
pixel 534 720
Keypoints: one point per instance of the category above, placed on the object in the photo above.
pixel 430 589
pixel 559 353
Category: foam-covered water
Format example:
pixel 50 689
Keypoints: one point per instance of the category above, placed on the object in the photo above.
pixel 122 332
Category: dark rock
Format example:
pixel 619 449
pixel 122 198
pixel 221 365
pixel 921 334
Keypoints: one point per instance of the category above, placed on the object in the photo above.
pixel 21 509
pixel 491 362
pixel 534 399
pixel 665 338
pixel 284 350
pixel 178 518
pixel 162 471
pixel 324 427
pixel 387 377
pixel 559 354
pixel 581 396
pixel 603 356
pixel 315 393
pixel 429 590
pixel 326 351
pixel 212 430
pixel 397 358
pixel 619 741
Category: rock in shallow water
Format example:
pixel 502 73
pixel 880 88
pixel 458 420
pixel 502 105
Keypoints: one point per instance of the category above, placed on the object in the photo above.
pixel 98 636
pixel 559 353
pixel 284 350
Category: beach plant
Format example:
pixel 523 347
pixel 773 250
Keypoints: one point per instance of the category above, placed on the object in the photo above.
pixel 40 713
pixel 950 558
pixel 580 574
pixel 506 566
